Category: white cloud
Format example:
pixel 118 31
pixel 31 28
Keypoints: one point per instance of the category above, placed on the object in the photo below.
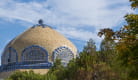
pixel 79 34
pixel 92 12
pixel 73 13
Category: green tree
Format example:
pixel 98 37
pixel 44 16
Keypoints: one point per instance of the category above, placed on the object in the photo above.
pixel 58 70
pixel 107 51
pixel 90 47
pixel 128 44
pixel 85 67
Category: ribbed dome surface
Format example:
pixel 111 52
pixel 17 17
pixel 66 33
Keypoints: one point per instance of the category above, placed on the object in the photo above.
pixel 44 37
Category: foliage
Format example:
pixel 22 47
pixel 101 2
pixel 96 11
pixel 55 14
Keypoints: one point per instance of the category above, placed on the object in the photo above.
pixel 90 47
pixel 57 70
pixel 128 44
pixel 85 68
pixel 107 33
pixel 134 3
pixel 125 47
pixel 25 76
pixel 107 51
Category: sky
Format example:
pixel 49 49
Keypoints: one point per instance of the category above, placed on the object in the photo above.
pixel 78 20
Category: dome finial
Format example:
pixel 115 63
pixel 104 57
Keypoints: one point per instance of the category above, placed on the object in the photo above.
pixel 40 21
pixel 40 24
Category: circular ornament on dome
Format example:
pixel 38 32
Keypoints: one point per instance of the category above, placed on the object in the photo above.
pixel 63 53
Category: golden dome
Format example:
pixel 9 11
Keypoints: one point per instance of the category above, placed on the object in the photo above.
pixel 45 37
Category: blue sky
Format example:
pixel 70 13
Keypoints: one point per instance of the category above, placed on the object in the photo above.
pixel 78 20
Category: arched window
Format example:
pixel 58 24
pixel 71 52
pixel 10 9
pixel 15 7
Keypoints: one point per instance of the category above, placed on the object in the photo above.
pixel 34 53
pixel 63 53
pixel 9 56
